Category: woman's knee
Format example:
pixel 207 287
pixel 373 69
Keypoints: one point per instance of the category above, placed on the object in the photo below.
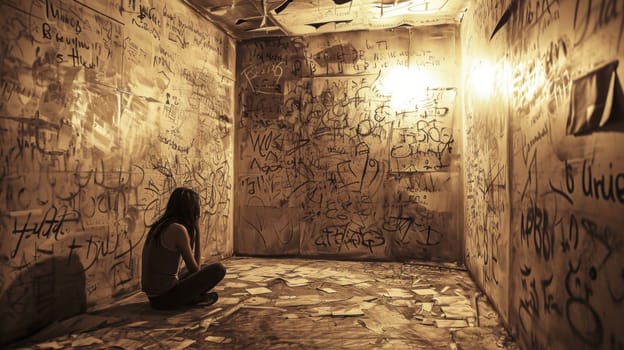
pixel 217 269
pixel 221 269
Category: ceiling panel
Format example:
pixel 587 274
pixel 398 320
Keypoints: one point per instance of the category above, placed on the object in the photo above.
pixel 246 19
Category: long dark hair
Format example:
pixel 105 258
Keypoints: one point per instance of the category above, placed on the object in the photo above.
pixel 183 208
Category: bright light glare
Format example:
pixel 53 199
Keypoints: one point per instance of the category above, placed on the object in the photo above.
pixel 483 75
pixel 506 77
pixel 404 86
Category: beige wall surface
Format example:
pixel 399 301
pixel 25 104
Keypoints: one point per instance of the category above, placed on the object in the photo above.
pixel 347 145
pixel 105 107
pixel 544 202
pixel 485 95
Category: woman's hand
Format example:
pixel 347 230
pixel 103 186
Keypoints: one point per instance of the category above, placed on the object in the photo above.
pixel 181 238
pixel 197 248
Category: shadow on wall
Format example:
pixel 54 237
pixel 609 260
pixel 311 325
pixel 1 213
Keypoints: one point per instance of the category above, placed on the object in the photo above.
pixel 43 292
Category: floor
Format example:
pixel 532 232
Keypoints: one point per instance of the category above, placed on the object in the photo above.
pixel 301 304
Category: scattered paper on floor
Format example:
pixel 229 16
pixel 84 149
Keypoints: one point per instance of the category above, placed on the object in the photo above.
pixel 428 321
pixel 401 302
pixel 256 301
pixel 213 311
pixel 362 298
pixel 427 306
pixel 385 316
pixel 321 311
pixel 216 339
pixel 287 297
pixel 206 322
pixel 397 293
pixel 296 282
pixel 300 301
pixel 344 281
pixel 86 341
pixel 235 285
pixel 228 301
pixel 50 345
pixel 258 290
pixel 254 278
pixel 137 324
pixel 128 344
pixel 424 291
pixel 178 345
pixel 451 299
pixel 350 312
pixel 308 271
pixel 450 323
pixel 458 311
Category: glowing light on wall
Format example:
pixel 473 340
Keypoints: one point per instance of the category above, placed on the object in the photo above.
pixel 483 75
pixel 405 87
pixel 533 80
pixel 506 79
pixel 490 79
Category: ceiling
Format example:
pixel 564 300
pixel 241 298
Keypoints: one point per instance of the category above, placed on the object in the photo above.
pixel 248 19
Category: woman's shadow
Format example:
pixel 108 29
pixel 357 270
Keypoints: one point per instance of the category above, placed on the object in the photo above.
pixel 48 299
pixel 43 292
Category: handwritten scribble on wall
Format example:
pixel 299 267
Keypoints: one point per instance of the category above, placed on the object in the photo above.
pixel 329 165
pixel 555 126
pixel 103 111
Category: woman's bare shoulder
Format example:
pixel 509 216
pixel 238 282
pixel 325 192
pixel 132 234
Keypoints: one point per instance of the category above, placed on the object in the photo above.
pixel 176 226
pixel 176 229
pixel 174 235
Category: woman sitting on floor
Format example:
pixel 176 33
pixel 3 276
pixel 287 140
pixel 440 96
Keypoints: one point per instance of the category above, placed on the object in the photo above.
pixel 169 238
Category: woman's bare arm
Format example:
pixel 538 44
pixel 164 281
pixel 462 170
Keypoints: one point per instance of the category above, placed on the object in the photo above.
pixel 197 246
pixel 183 245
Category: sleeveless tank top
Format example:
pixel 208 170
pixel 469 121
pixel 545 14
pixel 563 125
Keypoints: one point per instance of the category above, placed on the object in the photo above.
pixel 159 266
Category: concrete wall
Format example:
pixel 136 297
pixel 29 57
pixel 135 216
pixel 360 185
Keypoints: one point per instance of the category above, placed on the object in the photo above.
pixel 105 107
pixel 545 172
pixel 331 162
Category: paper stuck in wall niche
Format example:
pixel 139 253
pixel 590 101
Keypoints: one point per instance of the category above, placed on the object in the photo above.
pixel 597 102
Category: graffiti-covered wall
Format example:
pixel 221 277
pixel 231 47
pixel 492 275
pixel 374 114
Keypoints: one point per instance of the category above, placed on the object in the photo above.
pixel 485 95
pixel 105 107
pixel 544 143
pixel 348 145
